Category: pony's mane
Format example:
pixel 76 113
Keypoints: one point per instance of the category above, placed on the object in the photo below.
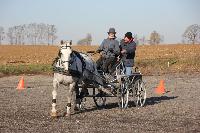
pixel 76 52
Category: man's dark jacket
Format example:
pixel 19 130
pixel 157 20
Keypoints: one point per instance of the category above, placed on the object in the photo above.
pixel 128 57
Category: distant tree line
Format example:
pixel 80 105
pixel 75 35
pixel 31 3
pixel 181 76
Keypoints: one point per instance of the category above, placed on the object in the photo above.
pixel 41 33
pixel 155 38
pixel 190 36
pixel 32 33
pixel 2 34
pixel 85 41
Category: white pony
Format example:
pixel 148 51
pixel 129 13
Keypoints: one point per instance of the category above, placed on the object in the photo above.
pixel 67 80
pixel 64 64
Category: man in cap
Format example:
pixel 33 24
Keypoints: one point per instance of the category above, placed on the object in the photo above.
pixel 127 52
pixel 109 50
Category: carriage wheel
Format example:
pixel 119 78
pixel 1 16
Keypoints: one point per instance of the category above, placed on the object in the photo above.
pixel 83 103
pixel 123 95
pixel 100 100
pixel 138 92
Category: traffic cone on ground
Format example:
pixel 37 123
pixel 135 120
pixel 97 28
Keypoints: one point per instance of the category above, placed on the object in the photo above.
pixel 161 88
pixel 21 84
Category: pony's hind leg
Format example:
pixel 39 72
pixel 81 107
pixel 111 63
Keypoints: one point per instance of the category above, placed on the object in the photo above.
pixel 54 94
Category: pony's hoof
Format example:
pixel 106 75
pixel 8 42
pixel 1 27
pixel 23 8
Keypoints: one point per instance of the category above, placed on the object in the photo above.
pixel 54 114
pixel 68 115
pixel 77 108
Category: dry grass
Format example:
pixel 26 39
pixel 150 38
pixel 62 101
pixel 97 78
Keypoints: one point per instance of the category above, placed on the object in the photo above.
pixel 150 59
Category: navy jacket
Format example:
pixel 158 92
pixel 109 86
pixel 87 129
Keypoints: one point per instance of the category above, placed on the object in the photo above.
pixel 128 57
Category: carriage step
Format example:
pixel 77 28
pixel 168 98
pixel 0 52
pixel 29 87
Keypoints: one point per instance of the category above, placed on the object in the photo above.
pixel 88 86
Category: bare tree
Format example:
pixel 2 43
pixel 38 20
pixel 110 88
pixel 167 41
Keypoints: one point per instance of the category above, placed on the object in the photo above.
pixel 155 38
pixel 142 40
pixel 33 33
pixel 85 41
pixel 10 35
pixel 20 34
pixel 192 34
pixel 1 34
pixel 51 31
pixel 136 40
pixel 42 32
pixel 16 34
pixel 89 39
pixel 13 35
pixel 30 33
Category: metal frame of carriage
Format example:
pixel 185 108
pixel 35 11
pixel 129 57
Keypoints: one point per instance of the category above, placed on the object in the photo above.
pixel 128 89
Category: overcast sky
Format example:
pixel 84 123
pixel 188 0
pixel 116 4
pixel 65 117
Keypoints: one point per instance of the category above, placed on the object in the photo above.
pixel 75 18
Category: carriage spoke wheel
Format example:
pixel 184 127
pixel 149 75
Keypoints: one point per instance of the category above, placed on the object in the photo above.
pixel 123 95
pixel 139 91
pixel 100 100
pixel 83 103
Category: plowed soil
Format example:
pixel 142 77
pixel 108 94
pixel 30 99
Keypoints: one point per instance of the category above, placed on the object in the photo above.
pixel 157 59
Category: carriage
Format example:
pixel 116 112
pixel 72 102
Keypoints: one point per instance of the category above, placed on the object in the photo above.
pixel 127 89
pixel 79 73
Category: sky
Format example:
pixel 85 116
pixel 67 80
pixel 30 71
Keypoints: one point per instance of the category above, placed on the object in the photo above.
pixel 75 18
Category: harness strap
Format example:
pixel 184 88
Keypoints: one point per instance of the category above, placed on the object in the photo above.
pixel 69 105
pixel 53 100
pixel 65 47
pixel 65 61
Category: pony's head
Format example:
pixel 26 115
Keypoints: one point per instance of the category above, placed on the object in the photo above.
pixel 65 50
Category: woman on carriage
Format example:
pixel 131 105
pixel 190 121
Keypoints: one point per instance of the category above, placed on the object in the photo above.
pixel 127 52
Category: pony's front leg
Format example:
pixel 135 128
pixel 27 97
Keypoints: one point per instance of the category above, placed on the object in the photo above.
pixel 70 98
pixel 54 94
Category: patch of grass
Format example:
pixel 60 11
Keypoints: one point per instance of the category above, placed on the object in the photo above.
pixel 146 66
pixel 168 65
pixel 25 69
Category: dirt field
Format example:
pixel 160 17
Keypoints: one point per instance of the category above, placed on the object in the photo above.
pixel 28 110
pixel 151 60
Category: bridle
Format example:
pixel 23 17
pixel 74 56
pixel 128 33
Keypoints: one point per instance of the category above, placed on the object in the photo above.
pixel 65 47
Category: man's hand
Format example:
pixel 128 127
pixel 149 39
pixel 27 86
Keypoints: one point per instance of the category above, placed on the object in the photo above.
pixel 123 51
pixel 111 50
pixel 118 58
pixel 101 53
pixel 98 51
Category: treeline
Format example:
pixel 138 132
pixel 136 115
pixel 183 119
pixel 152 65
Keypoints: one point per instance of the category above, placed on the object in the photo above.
pixel 85 41
pixel 32 33
pixel 46 34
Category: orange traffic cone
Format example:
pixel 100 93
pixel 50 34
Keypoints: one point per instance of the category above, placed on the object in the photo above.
pixel 160 89
pixel 21 84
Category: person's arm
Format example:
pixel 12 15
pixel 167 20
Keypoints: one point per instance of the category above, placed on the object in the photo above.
pixel 132 48
pixel 122 50
pixel 101 47
pixel 116 48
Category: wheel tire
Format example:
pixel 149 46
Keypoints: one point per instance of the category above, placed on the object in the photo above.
pixel 139 92
pixel 83 103
pixel 100 100
pixel 123 95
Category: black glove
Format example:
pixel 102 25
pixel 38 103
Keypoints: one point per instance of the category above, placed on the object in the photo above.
pixel 111 50
pixel 98 51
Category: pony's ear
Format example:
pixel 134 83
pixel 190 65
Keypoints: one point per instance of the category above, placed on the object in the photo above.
pixel 61 42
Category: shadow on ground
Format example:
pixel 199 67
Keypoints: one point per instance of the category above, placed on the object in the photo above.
pixel 156 100
pixel 149 101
